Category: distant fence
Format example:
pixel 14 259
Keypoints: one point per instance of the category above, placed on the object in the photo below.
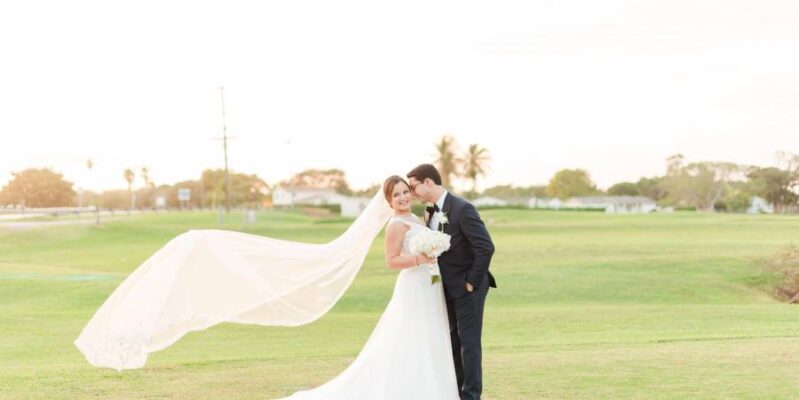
pixel 46 210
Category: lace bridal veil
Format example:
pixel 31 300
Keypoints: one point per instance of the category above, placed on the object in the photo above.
pixel 204 277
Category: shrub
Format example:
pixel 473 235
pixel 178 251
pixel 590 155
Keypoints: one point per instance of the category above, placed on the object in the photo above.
pixel 783 269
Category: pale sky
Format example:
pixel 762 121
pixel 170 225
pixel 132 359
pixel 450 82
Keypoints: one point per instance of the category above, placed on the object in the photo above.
pixel 613 87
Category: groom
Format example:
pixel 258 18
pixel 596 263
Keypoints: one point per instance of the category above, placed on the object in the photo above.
pixel 464 272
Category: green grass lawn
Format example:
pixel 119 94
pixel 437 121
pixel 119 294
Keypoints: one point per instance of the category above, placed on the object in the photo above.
pixel 590 306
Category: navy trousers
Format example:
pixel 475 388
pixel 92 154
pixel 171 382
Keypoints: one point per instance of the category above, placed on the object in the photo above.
pixel 465 329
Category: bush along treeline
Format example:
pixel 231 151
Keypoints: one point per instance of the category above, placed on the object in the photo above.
pixel 702 186
pixel 43 187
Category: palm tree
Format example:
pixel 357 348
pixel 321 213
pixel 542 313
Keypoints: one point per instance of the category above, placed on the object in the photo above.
pixel 475 164
pixel 148 193
pixel 129 177
pixel 145 176
pixel 447 161
pixel 89 165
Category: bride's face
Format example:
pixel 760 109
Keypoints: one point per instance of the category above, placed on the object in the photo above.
pixel 401 197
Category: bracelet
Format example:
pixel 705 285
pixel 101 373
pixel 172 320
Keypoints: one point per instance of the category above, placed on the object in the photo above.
pixel 416 260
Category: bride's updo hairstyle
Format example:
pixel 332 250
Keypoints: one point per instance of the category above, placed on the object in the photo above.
pixel 388 186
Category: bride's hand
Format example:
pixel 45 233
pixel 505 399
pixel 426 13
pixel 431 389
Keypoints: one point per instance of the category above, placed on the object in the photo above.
pixel 423 259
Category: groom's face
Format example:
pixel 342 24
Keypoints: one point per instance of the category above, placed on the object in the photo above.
pixel 420 190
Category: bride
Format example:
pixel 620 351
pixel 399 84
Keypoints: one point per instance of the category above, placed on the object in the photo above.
pixel 408 355
pixel 205 277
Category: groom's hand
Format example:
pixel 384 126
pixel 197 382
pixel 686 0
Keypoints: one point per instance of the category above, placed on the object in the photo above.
pixel 469 287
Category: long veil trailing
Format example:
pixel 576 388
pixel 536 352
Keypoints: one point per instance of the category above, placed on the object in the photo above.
pixel 204 277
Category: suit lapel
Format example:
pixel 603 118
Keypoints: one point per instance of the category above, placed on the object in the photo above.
pixel 446 209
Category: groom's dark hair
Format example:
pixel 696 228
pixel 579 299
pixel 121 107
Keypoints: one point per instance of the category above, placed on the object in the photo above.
pixel 425 171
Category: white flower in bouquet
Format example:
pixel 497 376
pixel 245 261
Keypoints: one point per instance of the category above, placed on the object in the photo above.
pixel 432 244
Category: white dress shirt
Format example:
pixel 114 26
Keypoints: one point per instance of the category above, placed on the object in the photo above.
pixel 437 216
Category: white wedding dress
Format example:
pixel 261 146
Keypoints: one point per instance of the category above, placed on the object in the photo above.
pixel 409 354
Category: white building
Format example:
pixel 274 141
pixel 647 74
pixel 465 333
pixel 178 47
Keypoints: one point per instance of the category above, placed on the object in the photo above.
pixel 759 205
pixel 487 201
pixel 613 204
pixel 284 196
pixel 322 199
pixel 353 206
pixel 555 203
pixel 287 196
pixel 544 202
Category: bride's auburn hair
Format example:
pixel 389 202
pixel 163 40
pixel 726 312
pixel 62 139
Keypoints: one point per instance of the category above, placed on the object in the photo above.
pixel 388 186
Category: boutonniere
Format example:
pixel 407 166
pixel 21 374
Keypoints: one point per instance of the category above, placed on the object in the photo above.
pixel 443 221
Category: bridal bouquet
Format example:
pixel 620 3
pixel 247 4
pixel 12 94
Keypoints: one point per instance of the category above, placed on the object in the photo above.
pixel 432 244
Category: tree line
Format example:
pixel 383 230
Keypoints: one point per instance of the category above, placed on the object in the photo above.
pixel 43 187
pixel 704 186
pixel 701 185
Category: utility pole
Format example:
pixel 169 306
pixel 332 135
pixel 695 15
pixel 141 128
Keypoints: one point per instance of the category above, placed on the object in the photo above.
pixel 224 144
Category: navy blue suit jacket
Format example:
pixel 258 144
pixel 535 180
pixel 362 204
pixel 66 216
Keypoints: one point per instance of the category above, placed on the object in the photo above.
pixel 471 248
